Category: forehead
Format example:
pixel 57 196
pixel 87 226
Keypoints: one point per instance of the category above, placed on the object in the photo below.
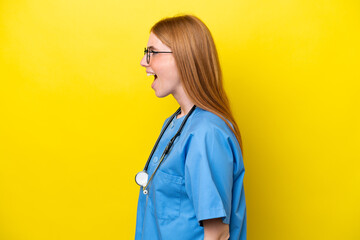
pixel 156 43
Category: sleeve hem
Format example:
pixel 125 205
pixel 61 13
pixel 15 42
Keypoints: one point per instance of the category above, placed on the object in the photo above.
pixel 213 213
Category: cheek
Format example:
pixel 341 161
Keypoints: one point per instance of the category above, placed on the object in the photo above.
pixel 175 76
pixel 173 71
pixel 167 70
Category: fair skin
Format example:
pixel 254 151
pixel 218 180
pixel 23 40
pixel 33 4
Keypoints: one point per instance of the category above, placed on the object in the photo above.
pixel 215 229
pixel 167 81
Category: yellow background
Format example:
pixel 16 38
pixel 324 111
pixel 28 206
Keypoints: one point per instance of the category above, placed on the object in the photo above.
pixel 78 117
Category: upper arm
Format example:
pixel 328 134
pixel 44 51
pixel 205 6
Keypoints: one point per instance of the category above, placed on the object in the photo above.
pixel 209 173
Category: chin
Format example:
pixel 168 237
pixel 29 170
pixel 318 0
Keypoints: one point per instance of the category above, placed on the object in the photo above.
pixel 160 95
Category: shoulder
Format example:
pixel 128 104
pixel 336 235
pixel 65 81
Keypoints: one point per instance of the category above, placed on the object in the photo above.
pixel 208 137
pixel 205 123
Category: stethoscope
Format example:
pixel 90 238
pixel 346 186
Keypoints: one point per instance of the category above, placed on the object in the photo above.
pixel 142 178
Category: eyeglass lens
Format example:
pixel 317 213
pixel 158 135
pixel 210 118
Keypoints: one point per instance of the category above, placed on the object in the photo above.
pixel 147 52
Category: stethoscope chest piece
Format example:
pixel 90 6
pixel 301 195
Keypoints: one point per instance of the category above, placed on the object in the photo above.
pixel 141 178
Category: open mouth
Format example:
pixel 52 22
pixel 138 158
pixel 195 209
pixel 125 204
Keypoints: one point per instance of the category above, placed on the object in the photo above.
pixel 155 77
pixel 153 74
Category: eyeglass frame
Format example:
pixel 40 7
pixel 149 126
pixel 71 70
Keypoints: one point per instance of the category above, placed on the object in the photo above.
pixel 148 51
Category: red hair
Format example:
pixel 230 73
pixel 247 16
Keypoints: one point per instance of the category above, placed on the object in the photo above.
pixel 198 63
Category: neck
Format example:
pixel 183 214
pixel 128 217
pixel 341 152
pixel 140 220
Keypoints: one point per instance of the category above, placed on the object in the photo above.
pixel 185 103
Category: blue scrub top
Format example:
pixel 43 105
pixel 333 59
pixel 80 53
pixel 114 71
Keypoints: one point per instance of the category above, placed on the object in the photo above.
pixel 201 178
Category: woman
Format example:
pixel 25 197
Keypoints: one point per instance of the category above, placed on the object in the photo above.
pixel 192 184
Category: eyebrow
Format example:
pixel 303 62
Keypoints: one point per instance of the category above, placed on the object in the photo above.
pixel 152 47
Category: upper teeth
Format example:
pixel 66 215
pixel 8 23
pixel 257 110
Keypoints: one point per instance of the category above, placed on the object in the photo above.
pixel 149 74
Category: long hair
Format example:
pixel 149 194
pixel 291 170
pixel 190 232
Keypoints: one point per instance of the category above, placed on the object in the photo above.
pixel 198 63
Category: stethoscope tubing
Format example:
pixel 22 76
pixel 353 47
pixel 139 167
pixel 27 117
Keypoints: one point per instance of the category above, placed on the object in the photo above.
pixel 167 148
pixel 159 138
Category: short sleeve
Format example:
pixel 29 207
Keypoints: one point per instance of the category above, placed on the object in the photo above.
pixel 209 173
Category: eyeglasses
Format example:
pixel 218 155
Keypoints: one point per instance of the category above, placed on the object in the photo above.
pixel 148 51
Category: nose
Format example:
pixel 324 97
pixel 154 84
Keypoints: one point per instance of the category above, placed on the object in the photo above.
pixel 143 62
